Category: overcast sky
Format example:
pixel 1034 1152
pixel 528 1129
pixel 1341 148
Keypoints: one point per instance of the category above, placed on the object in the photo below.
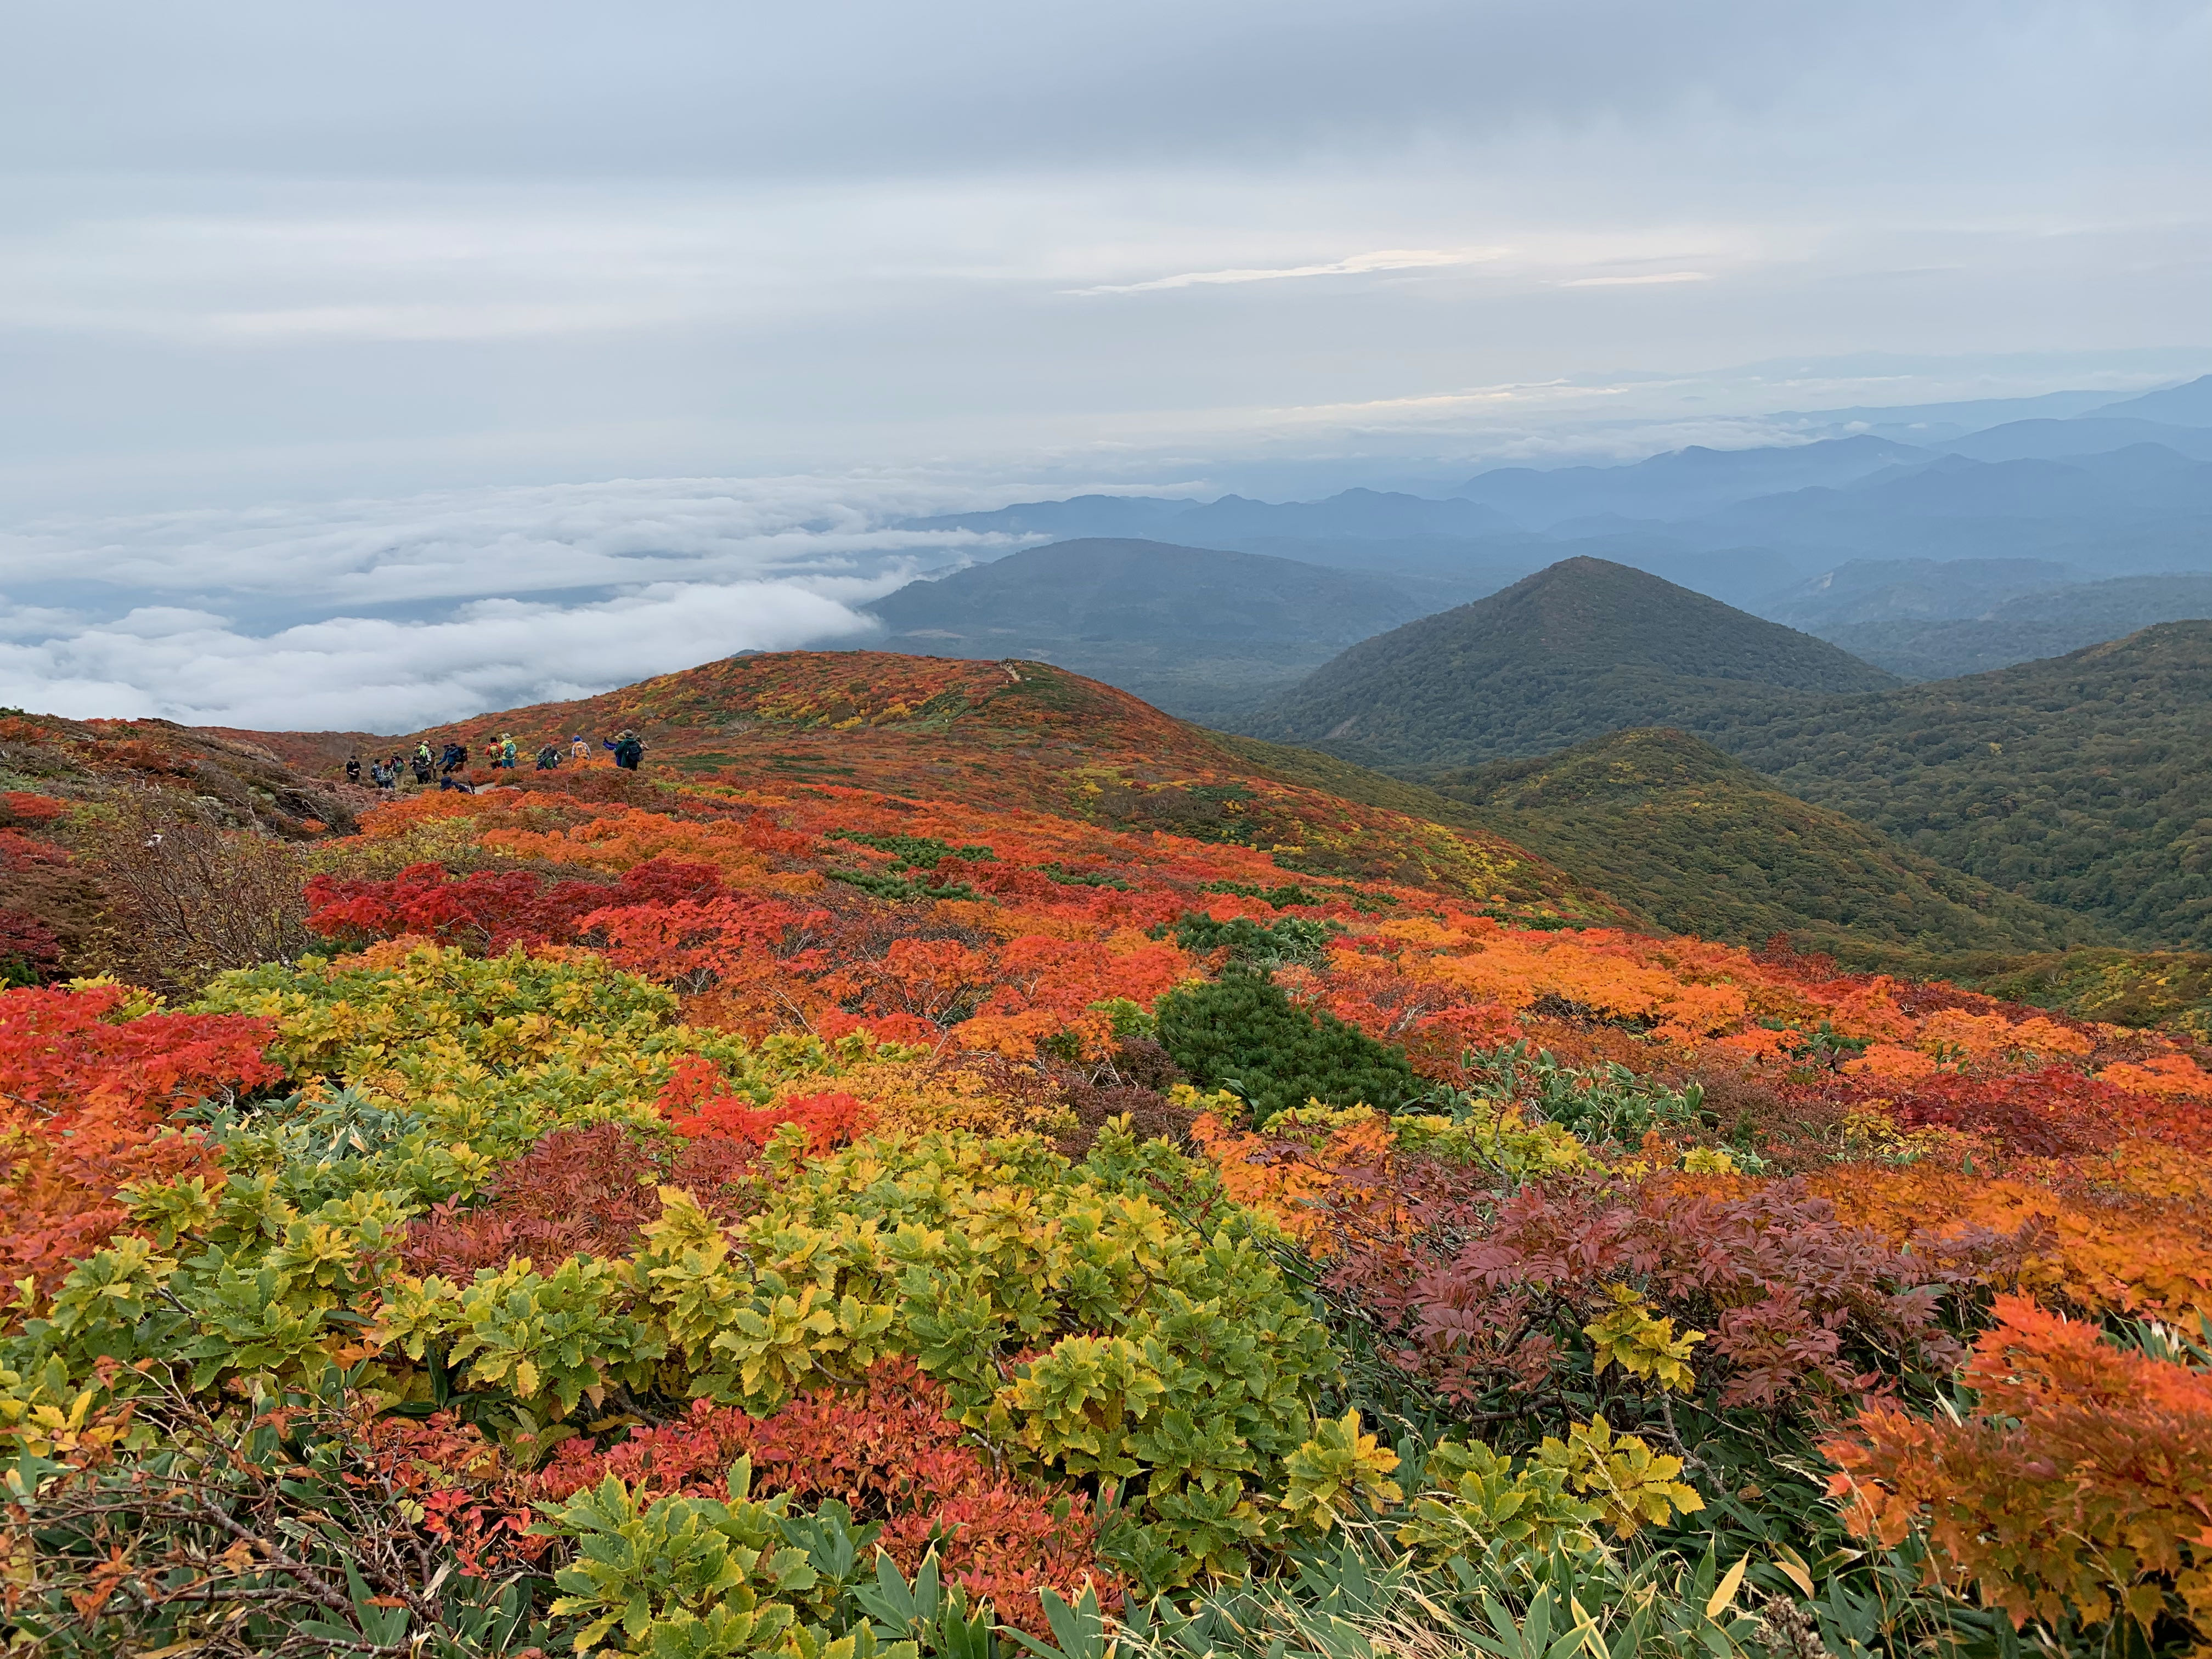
pixel 454 266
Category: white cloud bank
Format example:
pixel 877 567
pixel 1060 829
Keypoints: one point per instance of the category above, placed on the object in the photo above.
pixel 270 618
pixel 1359 265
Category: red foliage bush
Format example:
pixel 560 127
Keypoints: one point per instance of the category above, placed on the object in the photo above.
pixel 2079 1483
pixel 577 1191
pixel 20 851
pixel 23 808
pixel 83 1095
pixel 697 1105
pixel 889 1453
pixel 2057 1111
pixel 1482 1294
pixel 492 911
pixel 29 950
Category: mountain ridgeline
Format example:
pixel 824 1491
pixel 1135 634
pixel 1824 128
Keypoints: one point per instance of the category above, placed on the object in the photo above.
pixel 1574 651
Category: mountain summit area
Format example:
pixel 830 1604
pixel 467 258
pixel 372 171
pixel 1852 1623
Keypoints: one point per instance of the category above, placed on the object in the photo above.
pixel 1581 648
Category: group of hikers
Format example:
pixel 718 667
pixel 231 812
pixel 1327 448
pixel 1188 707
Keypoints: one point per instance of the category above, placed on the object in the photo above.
pixel 449 767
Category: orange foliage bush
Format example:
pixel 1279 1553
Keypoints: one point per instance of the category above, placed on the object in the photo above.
pixel 2080 1486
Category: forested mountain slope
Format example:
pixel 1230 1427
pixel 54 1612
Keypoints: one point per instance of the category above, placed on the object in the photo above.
pixel 1697 842
pixel 2083 781
pixel 2046 624
pixel 1581 648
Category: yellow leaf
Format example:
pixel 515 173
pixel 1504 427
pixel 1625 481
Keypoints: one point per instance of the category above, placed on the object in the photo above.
pixel 1794 1563
pixel 1724 1592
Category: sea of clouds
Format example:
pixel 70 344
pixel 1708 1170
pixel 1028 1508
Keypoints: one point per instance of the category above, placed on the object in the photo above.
pixel 387 615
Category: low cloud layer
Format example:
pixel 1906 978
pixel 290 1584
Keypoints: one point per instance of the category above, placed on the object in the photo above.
pixel 388 616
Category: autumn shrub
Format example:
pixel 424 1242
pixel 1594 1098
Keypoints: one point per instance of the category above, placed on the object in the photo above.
pixel 189 900
pixel 1752 1292
pixel 490 912
pixel 587 1192
pixel 494 1053
pixel 30 952
pixel 1241 1031
pixel 88 1081
pixel 2049 1111
pixel 286 1525
pixel 2074 1489
pixel 889 1452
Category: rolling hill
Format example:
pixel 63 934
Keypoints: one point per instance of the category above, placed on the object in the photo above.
pixel 1653 851
pixel 1025 738
pixel 1697 842
pixel 1576 651
pixel 1198 631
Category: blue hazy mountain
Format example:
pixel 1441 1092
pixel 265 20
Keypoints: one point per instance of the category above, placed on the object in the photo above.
pixel 2090 435
pixel 1925 620
pixel 1353 514
pixel 1681 484
pixel 1199 631
pixel 2189 405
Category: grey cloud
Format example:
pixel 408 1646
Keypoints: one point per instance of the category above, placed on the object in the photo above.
pixel 702 88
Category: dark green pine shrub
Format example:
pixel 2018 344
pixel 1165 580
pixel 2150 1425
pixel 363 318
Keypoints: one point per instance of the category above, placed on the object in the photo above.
pixel 1241 1031
pixel 1283 941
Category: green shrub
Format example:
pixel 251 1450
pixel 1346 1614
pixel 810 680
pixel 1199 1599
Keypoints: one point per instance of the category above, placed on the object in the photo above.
pixel 1243 1030
pixel 1287 939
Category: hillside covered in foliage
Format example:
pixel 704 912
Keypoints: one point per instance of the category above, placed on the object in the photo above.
pixel 85 804
pixel 2084 781
pixel 1581 648
pixel 911 1201
pixel 1699 844
pixel 1022 736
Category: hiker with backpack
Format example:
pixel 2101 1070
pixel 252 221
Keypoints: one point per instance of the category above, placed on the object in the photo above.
pixel 630 750
pixel 549 757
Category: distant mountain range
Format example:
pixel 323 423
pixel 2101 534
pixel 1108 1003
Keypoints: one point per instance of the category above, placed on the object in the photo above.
pixel 2105 486
pixel 1946 623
